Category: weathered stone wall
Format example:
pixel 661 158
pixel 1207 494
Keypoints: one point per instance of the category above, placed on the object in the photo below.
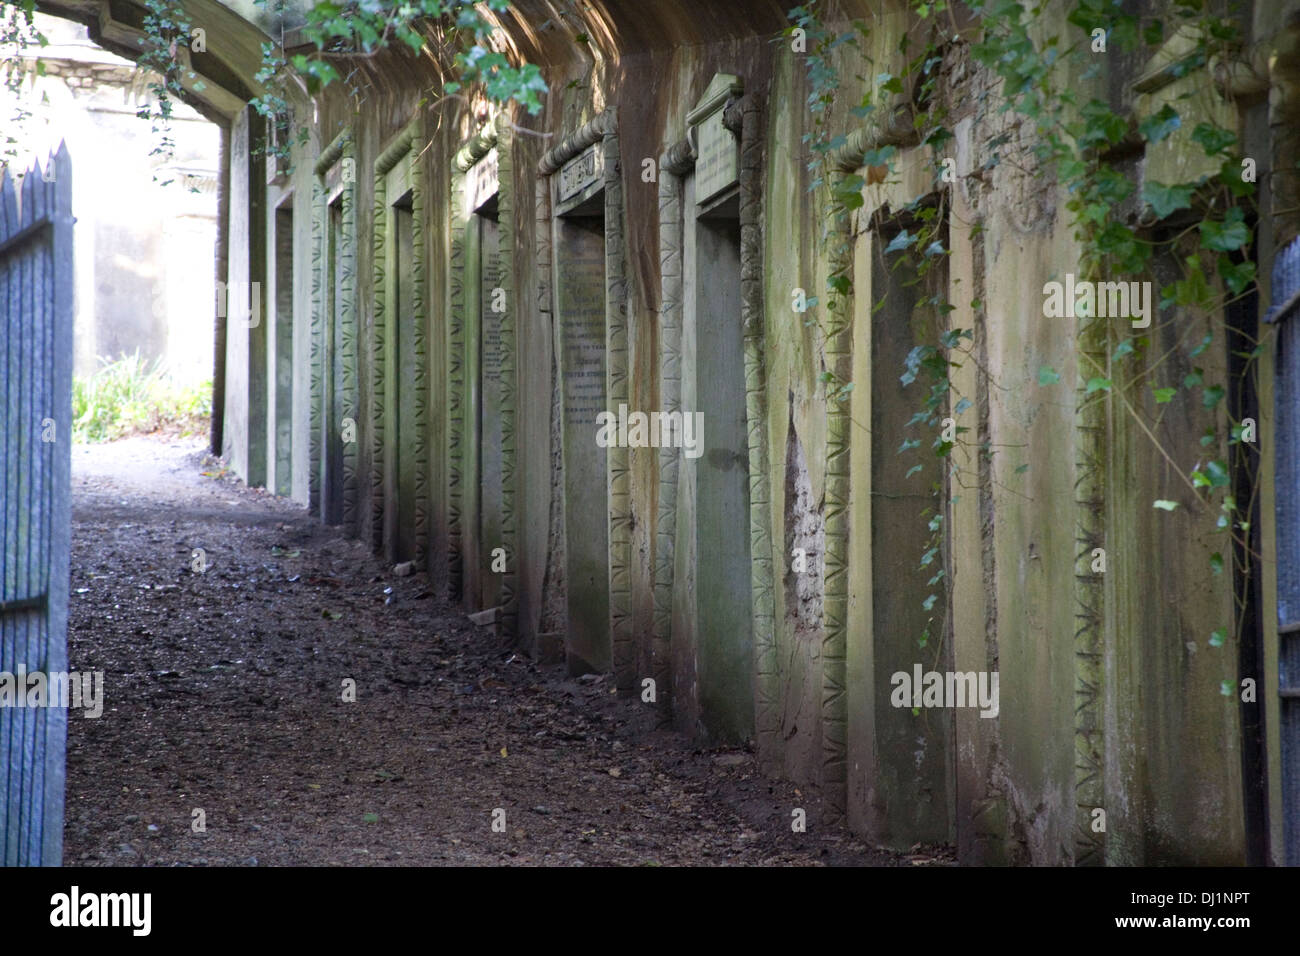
pixel 147 223
pixel 1109 695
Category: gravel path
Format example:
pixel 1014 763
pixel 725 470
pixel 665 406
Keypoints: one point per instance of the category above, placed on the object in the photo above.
pixel 224 694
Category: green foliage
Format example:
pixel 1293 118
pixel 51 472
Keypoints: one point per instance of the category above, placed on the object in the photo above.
pixel 129 396
pixel 166 29
pixel 18 33
pixel 342 33
pixel 1037 77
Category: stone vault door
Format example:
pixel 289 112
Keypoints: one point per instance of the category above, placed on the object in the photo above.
pixel 580 222
pixel 399 476
pixel 703 604
pixel 36 283
pixel 334 429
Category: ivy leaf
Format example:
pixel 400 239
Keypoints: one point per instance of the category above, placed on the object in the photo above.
pixel 1225 688
pixel 889 83
pixel 1216 562
pixel 1102 125
pixel 937 137
pixel 1217 472
pixel 1227 235
pixel 1164 395
pixel 1212 395
pixel 1165 200
pixel 1236 276
pixel 1213 139
pixel 900 242
pixel 1160 125
pixel 1219 635
pixel 1021 469
pixel 1230 176
pixel 1048 375
pixel 879 157
pixel 1165 505
pixel 961 406
pixel 1097 384
pixel 928 603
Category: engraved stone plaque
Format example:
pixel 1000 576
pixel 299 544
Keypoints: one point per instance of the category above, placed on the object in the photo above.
pixel 717 163
pixel 580 312
pixel 482 182
pixel 582 171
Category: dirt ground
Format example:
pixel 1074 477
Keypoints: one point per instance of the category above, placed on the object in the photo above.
pixel 224 693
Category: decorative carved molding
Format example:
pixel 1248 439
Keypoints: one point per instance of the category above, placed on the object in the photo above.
pixel 839 361
pixel 603 127
pixel 678 159
pixel 617 380
pixel 893 127
pixel 509 383
pixel 455 392
pixel 318 227
pixel 1090 603
pixel 767 716
pixel 478 146
pixel 496 135
pixel 341 148
pixel 676 162
pixel 401 149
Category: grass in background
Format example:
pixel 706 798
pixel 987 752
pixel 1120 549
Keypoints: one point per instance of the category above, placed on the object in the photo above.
pixel 129 396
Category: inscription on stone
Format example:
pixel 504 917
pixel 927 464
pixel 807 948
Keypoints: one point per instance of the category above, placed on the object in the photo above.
pixel 717 150
pixel 718 164
pixel 582 318
pixel 581 171
pixel 580 312
pixel 482 182
pixel 492 356
pixel 493 399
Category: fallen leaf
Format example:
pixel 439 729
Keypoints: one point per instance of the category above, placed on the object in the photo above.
pixel 503 751
pixel 615 772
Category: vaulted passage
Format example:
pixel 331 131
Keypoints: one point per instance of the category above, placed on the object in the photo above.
pixel 729 399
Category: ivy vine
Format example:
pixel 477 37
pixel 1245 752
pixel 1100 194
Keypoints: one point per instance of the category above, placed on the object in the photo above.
pixel 1082 141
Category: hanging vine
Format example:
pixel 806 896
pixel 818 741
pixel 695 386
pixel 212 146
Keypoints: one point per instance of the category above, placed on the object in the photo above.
pixel 18 34
pixel 1078 139
pixel 341 34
